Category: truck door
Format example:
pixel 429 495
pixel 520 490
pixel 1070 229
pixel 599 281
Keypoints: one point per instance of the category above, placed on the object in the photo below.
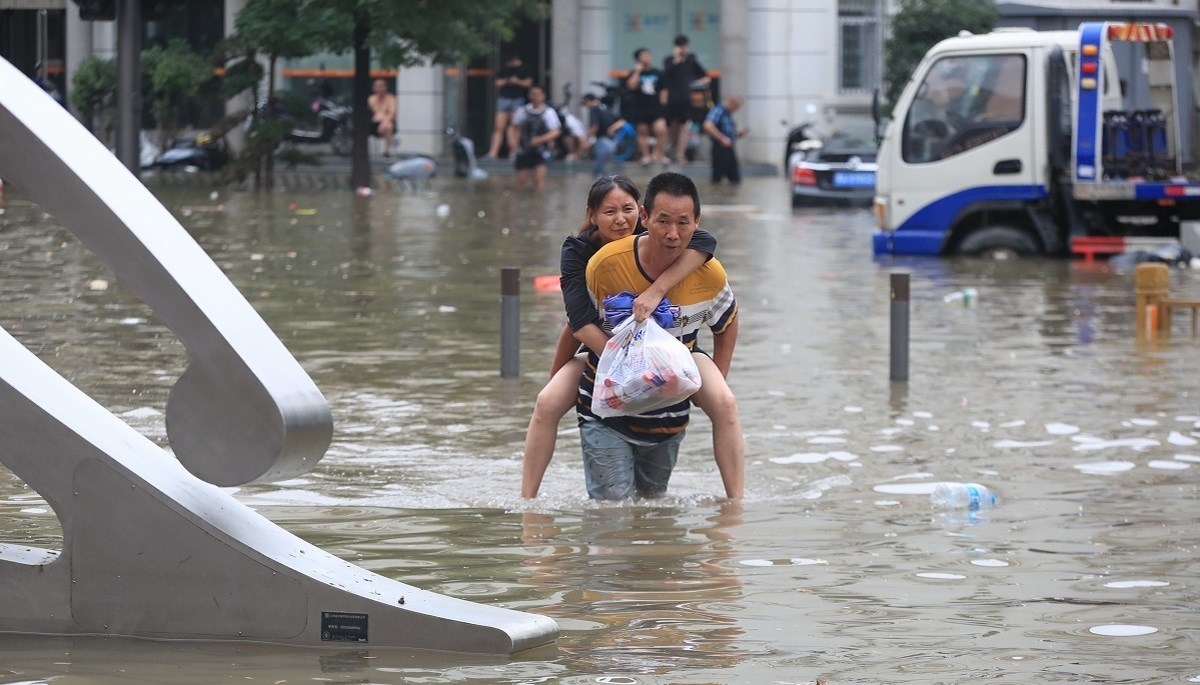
pixel 967 138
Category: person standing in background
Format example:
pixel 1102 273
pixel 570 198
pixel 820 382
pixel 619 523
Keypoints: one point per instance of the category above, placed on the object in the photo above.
pixel 383 114
pixel 535 125
pixel 648 98
pixel 719 125
pixel 512 85
pixel 681 73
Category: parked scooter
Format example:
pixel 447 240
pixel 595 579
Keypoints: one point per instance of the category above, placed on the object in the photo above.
pixel 465 164
pixel 336 127
pixel 334 124
pixel 801 139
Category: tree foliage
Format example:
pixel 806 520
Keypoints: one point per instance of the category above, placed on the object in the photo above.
pixel 177 78
pixel 94 90
pixel 405 33
pixel 919 24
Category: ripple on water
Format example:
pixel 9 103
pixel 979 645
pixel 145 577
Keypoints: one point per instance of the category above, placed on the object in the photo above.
pixel 941 576
pixel 813 457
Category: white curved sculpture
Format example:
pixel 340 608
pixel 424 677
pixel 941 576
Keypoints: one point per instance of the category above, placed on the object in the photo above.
pixel 149 550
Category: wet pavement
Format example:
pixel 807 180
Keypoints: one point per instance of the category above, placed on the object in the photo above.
pixel 835 567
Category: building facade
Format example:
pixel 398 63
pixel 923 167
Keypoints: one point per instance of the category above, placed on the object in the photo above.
pixel 792 61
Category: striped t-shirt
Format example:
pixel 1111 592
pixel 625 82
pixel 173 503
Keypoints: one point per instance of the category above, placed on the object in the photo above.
pixel 704 299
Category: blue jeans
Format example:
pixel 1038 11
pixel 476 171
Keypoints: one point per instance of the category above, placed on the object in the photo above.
pixel 602 150
pixel 616 469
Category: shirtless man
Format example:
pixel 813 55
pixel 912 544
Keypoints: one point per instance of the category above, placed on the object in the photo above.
pixel 383 113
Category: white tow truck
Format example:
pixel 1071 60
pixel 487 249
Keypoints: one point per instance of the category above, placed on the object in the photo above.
pixel 1019 142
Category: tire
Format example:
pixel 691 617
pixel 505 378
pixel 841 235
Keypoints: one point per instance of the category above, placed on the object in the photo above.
pixel 999 243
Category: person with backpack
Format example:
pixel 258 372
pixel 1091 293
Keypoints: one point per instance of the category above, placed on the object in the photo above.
pixel 537 125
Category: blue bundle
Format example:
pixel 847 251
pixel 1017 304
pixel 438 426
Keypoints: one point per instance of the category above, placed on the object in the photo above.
pixel 619 307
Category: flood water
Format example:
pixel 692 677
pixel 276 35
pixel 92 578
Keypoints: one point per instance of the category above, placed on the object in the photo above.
pixel 835 568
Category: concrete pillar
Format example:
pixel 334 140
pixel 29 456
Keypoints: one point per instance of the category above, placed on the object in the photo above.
pixel 236 137
pixel 594 43
pixel 78 45
pixel 564 57
pixel 129 81
pixel 420 109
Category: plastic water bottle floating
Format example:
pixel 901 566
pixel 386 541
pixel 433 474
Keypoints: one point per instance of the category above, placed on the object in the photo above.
pixel 962 496
pixel 967 296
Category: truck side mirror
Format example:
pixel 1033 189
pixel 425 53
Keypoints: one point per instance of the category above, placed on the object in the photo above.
pixel 877 114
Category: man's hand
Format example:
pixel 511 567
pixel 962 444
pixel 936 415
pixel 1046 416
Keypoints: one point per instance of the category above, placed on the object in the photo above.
pixel 645 304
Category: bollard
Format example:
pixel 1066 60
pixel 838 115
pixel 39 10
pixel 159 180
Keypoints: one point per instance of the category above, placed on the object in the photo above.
pixel 510 321
pixel 1150 284
pixel 899 330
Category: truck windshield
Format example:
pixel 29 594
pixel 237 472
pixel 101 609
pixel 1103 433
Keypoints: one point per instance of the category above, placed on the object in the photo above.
pixel 962 103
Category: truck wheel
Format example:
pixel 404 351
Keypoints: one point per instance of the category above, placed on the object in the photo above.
pixel 998 242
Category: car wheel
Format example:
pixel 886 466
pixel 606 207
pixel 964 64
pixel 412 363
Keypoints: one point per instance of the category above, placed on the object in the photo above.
pixel 999 243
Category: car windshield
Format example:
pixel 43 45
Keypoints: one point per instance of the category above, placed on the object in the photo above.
pixel 852 136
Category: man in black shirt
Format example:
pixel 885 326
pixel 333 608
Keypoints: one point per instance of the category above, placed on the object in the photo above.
pixel 681 73
pixel 647 100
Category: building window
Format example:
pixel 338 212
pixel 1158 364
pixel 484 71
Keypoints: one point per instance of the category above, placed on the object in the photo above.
pixel 860 47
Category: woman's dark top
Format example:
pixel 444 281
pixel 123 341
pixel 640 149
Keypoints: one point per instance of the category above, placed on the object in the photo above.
pixel 576 251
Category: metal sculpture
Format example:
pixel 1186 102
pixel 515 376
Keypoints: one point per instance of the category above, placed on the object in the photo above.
pixel 149 550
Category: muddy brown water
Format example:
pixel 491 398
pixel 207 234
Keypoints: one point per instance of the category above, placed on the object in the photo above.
pixel 834 568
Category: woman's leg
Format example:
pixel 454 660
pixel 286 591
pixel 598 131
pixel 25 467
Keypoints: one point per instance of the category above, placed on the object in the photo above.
pixel 729 447
pixel 555 400
pixel 499 131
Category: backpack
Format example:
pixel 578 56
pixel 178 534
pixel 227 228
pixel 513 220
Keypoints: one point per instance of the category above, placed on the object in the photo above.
pixel 533 126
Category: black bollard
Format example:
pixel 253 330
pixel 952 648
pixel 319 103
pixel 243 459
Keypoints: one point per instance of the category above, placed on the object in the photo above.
pixel 510 321
pixel 899 339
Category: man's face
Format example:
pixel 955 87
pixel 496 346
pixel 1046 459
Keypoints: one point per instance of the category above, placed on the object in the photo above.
pixel 645 58
pixel 380 87
pixel 670 224
pixel 536 96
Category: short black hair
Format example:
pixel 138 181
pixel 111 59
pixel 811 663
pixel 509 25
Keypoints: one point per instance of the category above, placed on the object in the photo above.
pixel 590 96
pixel 639 51
pixel 681 40
pixel 674 184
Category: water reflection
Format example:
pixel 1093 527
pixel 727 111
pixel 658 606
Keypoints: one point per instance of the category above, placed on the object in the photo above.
pixel 645 592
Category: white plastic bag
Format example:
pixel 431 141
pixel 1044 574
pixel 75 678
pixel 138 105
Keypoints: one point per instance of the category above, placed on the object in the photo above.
pixel 642 368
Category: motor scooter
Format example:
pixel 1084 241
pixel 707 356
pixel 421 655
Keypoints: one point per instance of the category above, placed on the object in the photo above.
pixel 800 139
pixel 334 124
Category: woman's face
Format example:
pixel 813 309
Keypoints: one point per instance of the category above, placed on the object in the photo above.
pixel 616 216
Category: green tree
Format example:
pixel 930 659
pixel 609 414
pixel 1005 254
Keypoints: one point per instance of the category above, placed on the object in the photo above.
pixel 402 33
pixel 919 24
pixel 177 76
pixel 94 93
pixel 273 29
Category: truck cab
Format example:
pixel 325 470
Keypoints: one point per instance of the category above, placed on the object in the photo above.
pixel 1000 145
